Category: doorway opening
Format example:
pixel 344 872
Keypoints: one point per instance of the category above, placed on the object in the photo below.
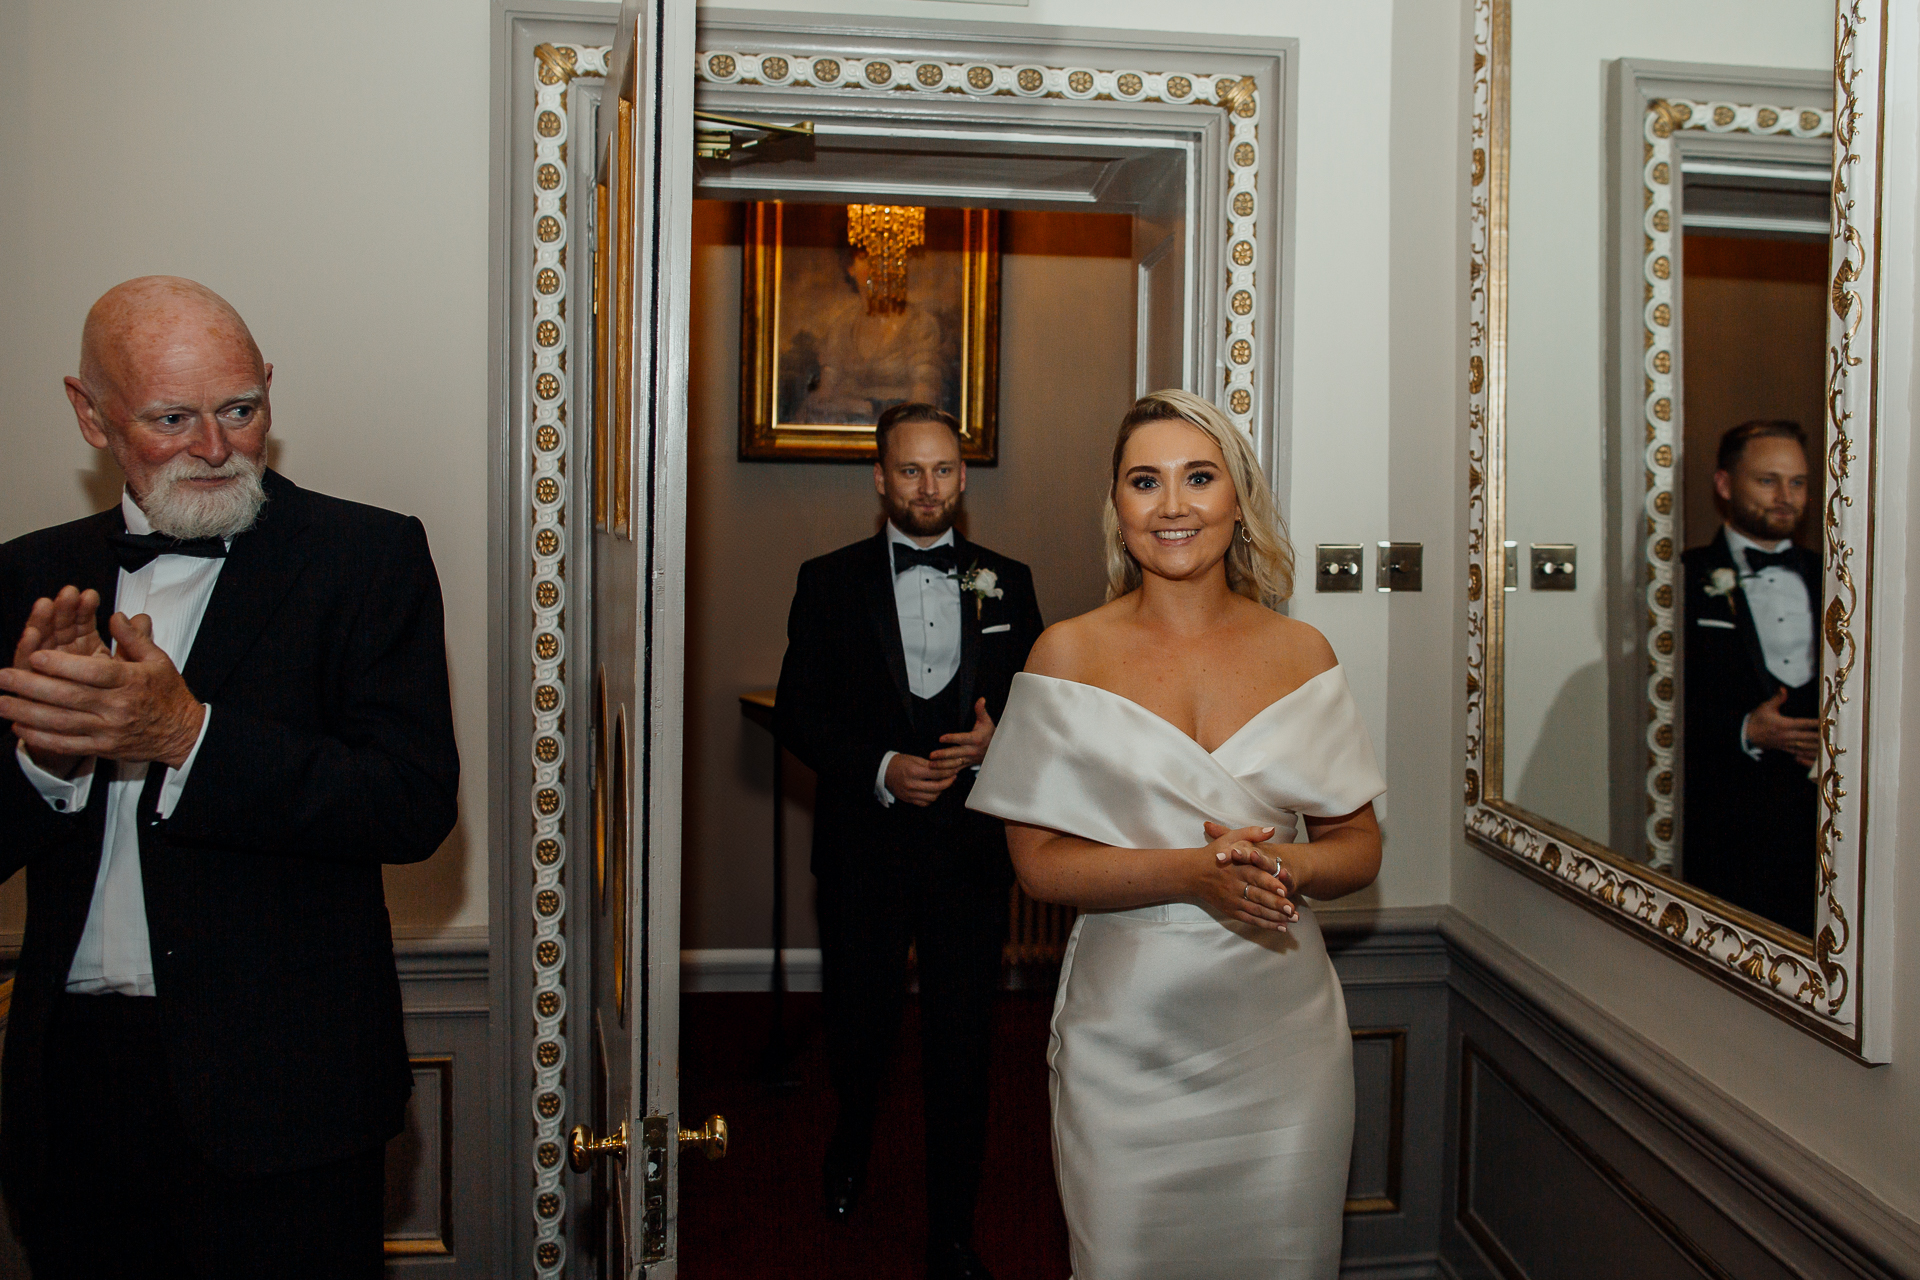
pixel 1068 344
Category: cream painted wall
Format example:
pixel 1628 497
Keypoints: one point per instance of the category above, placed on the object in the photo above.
pixel 325 168
pixel 1556 344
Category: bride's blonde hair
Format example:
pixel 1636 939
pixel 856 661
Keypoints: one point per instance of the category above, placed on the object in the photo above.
pixel 1260 564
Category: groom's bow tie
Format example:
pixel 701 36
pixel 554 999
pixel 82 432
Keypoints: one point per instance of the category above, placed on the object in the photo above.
pixel 941 558
pixel 1758 560
pixel 136 551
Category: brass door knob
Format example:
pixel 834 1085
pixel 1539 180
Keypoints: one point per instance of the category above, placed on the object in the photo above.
pixel 583 1148
pixel 710 1137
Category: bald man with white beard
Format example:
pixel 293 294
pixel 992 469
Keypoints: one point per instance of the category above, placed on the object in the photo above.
pixel 229 703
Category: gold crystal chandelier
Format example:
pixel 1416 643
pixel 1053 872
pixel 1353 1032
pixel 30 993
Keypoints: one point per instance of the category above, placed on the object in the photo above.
pixel 885 233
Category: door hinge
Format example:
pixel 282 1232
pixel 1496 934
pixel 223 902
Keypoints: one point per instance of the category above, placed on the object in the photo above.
pixel 656 1147
pixel 740 139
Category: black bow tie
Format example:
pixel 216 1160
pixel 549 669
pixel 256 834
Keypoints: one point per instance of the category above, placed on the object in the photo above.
pixel 941 558
pixel 136 551
pixel 1758 560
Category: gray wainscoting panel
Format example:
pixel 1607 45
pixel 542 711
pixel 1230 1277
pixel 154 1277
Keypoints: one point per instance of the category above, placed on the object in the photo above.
pixel 1393 968
pixel 440 1213
pixel 1539 1201
pixel 1505 1127
pixel 420 1165
pixel 1379 1127
pixel 1564 1163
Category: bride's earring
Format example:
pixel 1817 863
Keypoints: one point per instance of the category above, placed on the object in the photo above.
pixel 1246 534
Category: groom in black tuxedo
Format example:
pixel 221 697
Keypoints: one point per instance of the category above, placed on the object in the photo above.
pixel 205 1056
pixel 900 652
pixel 1752 668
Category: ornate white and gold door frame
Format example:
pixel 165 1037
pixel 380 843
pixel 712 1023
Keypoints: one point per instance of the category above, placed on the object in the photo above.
pixel 542 609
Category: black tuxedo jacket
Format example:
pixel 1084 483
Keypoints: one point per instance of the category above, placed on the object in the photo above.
pixel 330 751
pixel 844 701
pixel 1748 824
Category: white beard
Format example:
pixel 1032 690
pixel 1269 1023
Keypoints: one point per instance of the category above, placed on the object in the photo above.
pixel 183 510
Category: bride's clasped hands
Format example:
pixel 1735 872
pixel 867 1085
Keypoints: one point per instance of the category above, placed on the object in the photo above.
pixel 1245 877
pixel 1341 855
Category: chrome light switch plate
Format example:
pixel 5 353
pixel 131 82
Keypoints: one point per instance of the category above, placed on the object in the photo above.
pixel 1398 568
pixel 1336 566
pixel 1554 565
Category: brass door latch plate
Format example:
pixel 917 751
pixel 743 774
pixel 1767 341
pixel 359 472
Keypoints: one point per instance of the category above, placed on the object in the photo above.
pixel 656 1155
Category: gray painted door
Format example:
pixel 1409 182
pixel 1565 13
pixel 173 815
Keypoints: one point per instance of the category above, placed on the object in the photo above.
pixel 645 148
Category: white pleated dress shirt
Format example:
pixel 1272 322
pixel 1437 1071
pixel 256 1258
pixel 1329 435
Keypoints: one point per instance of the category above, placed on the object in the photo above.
pixel 115 955
pixel 1782 617
pixel 1782 613
pixel 927 604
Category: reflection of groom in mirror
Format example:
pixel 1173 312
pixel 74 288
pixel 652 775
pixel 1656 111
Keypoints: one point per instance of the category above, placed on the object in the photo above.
pixel 900 652
pixel 1752 668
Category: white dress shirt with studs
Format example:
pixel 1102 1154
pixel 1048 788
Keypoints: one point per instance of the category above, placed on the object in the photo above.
pixel 115 955
pixel 1782 617
pixel 927 604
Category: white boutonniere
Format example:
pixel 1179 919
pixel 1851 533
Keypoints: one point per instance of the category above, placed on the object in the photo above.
pixel 1724 582
pixel 980 584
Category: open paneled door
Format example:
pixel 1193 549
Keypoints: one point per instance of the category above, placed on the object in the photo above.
pixel 629 1135
pixel 1163 357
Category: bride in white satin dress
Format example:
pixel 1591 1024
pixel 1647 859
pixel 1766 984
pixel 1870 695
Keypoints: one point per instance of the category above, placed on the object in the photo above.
pixel 1151 765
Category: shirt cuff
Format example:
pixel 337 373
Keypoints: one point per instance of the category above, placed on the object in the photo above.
pixel 177 778
pixel 880 792
pixel 64 795
pixel 1746 746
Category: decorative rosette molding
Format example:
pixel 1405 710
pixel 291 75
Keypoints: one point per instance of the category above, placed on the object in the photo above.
pixel 1240 96
pixel 549 388
pixel 1658 175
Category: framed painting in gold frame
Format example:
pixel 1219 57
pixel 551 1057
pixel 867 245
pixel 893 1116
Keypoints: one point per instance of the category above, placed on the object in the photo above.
pixel 844 314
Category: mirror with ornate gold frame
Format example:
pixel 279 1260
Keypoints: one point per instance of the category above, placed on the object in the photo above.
pixel 1817 981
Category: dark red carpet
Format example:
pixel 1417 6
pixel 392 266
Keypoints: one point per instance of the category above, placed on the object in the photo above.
pixel 757 1213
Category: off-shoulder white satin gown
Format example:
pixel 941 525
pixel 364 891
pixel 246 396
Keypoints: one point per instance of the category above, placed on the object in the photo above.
pixel 1202 1068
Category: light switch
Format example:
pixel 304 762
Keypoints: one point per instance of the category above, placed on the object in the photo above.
pixel 1399 566
pixel 1553 566
pixel 1337 566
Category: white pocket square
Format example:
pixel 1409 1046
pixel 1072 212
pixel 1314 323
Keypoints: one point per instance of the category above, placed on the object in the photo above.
pixel 1005 626
pixel 1715 622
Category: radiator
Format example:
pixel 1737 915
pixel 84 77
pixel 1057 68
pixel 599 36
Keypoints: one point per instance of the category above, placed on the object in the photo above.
pixel 1036 931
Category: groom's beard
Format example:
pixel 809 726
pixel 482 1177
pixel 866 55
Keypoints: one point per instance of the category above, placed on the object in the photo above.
pixel 920 522
pixel 1763 523
pixel 181 509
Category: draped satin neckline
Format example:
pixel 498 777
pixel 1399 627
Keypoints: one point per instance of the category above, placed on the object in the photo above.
pixel 1182 734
